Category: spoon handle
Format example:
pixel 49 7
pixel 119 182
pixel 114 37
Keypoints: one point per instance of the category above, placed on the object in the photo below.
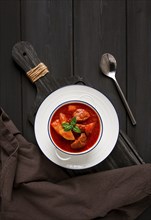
pixel 125 102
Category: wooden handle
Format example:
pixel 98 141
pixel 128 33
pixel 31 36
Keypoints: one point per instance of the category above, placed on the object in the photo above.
pixel 25 56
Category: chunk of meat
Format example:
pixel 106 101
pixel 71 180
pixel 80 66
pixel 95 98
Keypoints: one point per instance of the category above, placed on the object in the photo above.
pixel 80 142
pixel 88 128
pixel 62 118
pixel 68 135
pixel 71 108
pixel 81 114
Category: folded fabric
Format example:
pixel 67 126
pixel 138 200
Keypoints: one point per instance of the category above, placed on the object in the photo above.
pixel 32 187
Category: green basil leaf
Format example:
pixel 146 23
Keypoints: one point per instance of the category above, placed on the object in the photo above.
pixel 76 129
pixel 73 121
pixel 67 126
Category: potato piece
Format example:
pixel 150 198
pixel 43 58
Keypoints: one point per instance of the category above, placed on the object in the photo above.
pixel 72 108
pixel 68 135
pixel 62 118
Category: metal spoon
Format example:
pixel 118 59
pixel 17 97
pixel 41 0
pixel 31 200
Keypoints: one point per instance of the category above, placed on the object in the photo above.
pixel 108 66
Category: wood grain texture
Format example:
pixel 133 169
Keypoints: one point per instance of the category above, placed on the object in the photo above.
pixel 139 77
pixel 97 30
pixel 138 73
pixel 48 26
pixel 10 79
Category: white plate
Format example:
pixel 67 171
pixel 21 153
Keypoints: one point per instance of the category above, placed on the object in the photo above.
pixel 100 103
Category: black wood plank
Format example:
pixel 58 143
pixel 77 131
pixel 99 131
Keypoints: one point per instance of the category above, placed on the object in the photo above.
pixel 139 75
pixel 47 25
pixel 100 27
pixel 10 80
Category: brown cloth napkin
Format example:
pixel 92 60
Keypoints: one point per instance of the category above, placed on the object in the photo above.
pixel 34 188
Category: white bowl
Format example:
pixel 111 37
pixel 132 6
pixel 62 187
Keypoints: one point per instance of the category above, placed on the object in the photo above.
pixel 83 150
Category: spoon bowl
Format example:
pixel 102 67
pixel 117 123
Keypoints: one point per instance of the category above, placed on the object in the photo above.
pixel 108 64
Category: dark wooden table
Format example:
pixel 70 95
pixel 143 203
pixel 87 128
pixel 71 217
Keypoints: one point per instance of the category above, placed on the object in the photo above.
pixel 70 37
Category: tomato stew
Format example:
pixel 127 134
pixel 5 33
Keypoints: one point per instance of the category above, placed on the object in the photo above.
pixel 69 111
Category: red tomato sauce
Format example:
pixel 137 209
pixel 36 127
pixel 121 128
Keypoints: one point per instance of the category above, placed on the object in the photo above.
pixel 64 144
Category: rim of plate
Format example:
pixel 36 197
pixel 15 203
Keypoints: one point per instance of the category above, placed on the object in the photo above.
pixel 109 119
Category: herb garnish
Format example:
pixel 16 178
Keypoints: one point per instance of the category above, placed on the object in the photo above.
pixel 71 126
